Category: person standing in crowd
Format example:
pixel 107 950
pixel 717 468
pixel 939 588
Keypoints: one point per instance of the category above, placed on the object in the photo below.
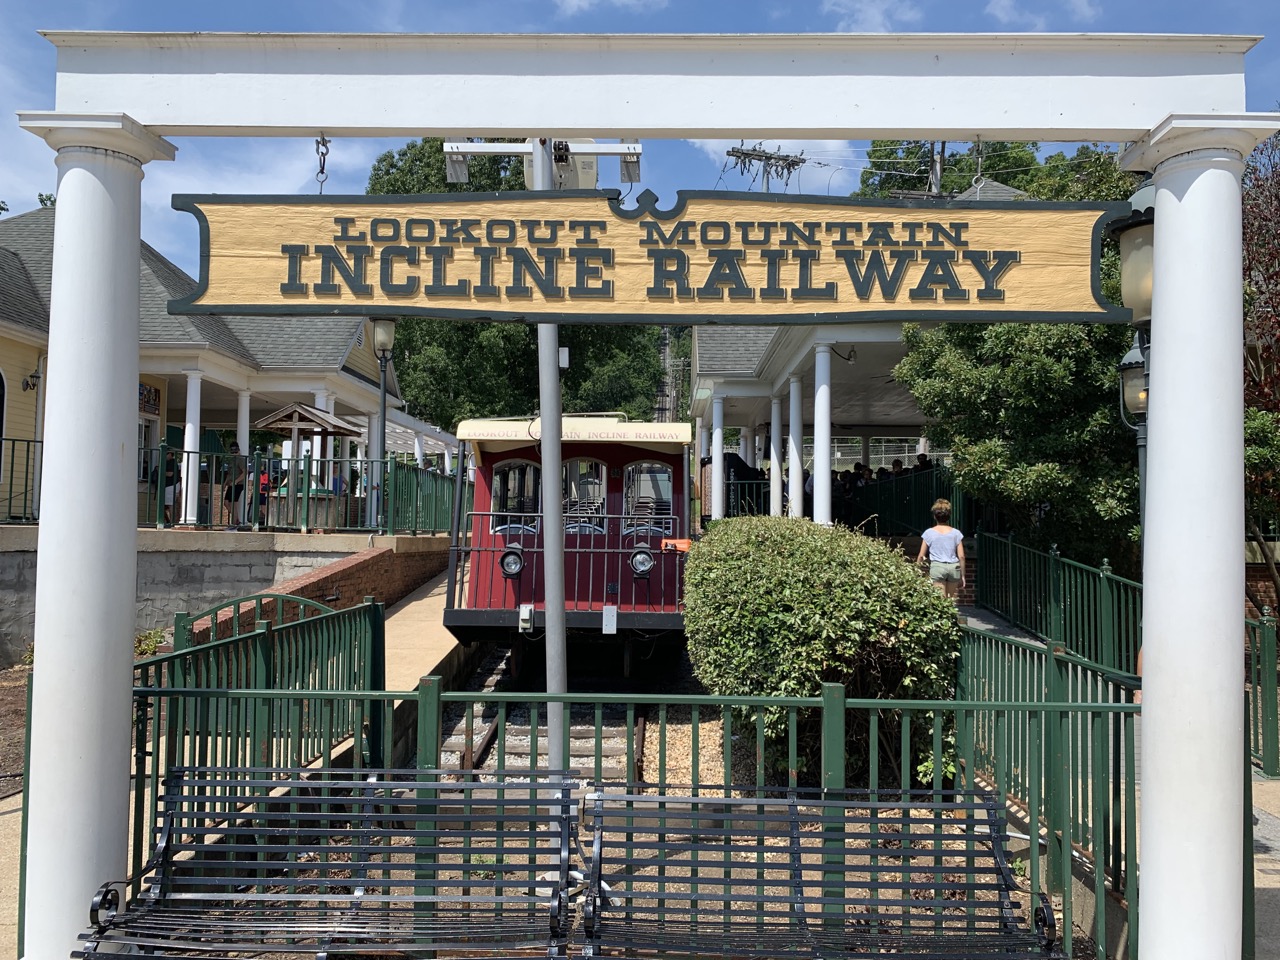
pixel 943 544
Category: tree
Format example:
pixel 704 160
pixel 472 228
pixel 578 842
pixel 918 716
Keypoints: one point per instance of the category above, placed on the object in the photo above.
pixel 4 207
pixel 1261 252
pixel 1030 411
pixel 454 369
pixel 904 166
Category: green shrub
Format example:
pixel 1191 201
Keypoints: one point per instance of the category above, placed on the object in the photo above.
pixel 777 607
pixel 145 643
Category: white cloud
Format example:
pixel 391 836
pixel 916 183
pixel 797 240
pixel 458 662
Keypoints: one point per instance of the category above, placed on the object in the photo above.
pixel 1086 11
pixel 833 169
pixel 1010 14
pixel 569 8
pixel 872 16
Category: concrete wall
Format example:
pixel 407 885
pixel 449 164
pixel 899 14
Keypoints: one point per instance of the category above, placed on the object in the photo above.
pixel 184 571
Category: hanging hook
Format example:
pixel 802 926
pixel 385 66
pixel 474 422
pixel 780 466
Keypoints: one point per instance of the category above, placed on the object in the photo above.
pixel 322 151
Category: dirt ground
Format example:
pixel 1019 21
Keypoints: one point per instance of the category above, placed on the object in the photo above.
pixel 13 726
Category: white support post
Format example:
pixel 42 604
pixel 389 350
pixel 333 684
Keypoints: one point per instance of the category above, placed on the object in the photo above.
pixel 550 407
pixel 1193 715
pixel 419 450
pixel 822 434
pixel 704 441
pixel 775 457
pixel 747 445
pixel 191 451
pixel 717 458
pixel 78 777
pixel 795 449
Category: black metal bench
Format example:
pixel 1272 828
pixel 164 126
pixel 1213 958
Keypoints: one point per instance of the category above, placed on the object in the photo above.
pixel 333 862
pixel 804 874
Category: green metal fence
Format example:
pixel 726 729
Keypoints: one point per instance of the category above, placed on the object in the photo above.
pixel 326 657
pixel 1262 684
pixel 1097 616
pixel 900 506
pixel 1090 611
pixel 1068 765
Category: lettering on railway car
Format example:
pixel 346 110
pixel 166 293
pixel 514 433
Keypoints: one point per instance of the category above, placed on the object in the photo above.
pixel 580 257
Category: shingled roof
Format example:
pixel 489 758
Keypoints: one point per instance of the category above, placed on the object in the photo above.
pixel 20 303
pixel 993 190
pixel 727 351
pixel 26 273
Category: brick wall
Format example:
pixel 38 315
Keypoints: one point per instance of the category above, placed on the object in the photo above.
pixel 1259 581
pixel 380 572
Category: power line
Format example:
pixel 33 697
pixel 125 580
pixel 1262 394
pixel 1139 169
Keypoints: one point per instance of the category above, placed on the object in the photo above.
pixel 772 163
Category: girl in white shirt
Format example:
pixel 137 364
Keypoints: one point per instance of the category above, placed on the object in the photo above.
pixel 943 544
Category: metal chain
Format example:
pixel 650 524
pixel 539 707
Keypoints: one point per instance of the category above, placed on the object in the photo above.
pixel 322 151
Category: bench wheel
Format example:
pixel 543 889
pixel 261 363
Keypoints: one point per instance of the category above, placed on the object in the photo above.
pixel 1045 923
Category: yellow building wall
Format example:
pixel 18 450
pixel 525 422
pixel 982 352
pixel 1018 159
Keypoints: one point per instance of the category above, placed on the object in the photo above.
pixel 18 455
pixel 362 359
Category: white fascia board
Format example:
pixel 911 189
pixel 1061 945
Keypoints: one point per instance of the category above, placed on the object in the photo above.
pixel 1047 87
pixel 32 338
pixel 422 428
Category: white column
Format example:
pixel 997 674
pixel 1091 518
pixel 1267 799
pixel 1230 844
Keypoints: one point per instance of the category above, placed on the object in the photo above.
pixel 704 441
pixel 795 447
pixel 318 452
pixel 448 461
pixel 419 451
pixel 242 438
pixel 775 457
pixel 78 777
pixel 717 458
pixel 747 445
pixel 1193 573
pixel 191 448
pixel 822 434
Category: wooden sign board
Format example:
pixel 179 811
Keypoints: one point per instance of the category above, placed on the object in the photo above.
pixel 716 257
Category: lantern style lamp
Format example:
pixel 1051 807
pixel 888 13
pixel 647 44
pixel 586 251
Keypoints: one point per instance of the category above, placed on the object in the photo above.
pixel 1136 235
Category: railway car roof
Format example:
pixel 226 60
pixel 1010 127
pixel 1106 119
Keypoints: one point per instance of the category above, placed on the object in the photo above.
pixel 496 436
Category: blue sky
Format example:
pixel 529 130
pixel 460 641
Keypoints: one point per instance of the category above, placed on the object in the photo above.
pixel 288 166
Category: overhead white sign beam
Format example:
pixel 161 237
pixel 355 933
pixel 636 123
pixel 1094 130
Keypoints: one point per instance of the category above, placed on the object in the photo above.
pixel 1061 87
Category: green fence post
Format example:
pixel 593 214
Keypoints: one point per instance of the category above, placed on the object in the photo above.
pixel 263 679
pixel 833 736
pixel 1107 639
pixel 1012 608
pixel 429 717
pixel 376 680
pixel 1055 623
pixel 1058 852
pixel 1267 669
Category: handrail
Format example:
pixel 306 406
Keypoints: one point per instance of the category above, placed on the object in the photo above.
pixel 278 603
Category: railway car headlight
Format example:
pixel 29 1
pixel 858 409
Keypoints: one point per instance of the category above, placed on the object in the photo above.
pixel 641 562
pixel 511 562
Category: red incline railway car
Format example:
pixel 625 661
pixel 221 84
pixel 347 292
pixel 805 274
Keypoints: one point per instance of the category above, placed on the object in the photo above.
pixel 625 497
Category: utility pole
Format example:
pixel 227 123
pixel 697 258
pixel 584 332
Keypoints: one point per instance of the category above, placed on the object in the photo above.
pixel 774 164
pixel 546 154
pixel 935 167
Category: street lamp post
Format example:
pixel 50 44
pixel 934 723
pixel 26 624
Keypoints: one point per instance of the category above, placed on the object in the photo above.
pixel 384 338
pixel 1136 235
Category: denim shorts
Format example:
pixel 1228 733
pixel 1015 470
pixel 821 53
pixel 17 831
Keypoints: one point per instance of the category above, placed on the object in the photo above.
pixel 942 572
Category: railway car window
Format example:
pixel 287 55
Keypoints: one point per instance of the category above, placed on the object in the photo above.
pixel 647 490
pixel 516 500
pixel 583 483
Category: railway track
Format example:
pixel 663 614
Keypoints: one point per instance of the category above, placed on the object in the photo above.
pixel 483 735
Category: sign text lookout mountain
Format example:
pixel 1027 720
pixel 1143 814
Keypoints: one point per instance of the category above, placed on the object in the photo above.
pixel 579 256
